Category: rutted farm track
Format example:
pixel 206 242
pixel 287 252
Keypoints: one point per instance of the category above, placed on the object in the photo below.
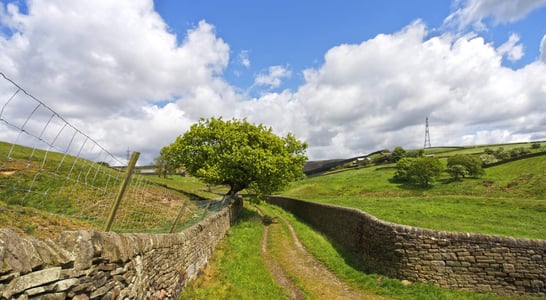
pixel 295 269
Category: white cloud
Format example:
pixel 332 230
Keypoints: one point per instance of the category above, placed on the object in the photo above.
pixel 243 58
pixel 273 77
pixel 543 49
pixel 473 12
pixel 113 69
pixel 117 53
pixel 377 94
pixel 103 62
pixel 511 49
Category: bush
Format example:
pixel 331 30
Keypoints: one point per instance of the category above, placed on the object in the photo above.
pixel 457 171
pixel 398 153
pixel 415 153
pixel 421 171
pixel 402 167
pixel 488 159
pixel 472 165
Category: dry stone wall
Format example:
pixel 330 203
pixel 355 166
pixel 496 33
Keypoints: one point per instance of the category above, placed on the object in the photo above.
pixel 465 261
pixel 104 265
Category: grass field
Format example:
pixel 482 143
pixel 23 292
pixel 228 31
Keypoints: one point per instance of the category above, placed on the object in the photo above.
pixel 509 200
pixel 43 192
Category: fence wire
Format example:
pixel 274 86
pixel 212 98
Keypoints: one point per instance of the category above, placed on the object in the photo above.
pixel 49 168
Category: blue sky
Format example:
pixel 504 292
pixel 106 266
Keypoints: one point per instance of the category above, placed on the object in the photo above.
pixel 347 77
pixel 296 34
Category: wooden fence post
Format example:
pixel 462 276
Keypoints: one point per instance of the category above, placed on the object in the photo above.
pixel 130 167
pixel 180 213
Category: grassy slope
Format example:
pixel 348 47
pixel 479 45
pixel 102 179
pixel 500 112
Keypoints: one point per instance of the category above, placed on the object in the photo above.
pixel 70 193
pixel 509 200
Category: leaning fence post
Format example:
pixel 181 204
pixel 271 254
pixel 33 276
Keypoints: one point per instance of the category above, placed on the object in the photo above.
pixel 206 209
pixel 180 213
pixel 130 166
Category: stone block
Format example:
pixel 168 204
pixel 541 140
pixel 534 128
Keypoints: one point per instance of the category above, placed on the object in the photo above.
pixel 31 280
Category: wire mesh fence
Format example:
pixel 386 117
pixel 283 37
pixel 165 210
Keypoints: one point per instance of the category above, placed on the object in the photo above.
pixel 49 168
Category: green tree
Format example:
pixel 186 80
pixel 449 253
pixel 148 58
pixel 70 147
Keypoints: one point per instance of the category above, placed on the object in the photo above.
pixel 415 153
pixel 500 154
pixel 424 170
pixel 421 171
pixel 398 153
pixel 472 164
pixel 488 159
pixel 457 171
pixel 402 169
pixel 238 154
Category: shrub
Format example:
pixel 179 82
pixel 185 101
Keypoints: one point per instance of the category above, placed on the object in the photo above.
pixel 472 165
pixel 421 171
pixel 488 159
pixel 457 171
pixel 398 153
pixel 415 153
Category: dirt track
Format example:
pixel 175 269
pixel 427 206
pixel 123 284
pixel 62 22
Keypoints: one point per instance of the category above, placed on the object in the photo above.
pixel 296 270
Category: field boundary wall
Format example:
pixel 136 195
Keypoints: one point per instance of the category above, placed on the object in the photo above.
pixel 107 265
pixel 457 260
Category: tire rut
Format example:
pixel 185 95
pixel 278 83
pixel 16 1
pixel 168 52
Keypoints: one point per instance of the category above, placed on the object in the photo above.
pixel 298 271
pixel 280 276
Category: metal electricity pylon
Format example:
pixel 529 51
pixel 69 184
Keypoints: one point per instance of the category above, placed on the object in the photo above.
pixel 427 135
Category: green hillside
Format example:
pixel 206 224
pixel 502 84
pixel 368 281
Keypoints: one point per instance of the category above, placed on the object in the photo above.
pixel 510 199
pixel 45 192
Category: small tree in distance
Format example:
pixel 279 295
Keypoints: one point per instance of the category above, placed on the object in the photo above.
pixel 471 164
pixel 398 153
pixel 424 170
pixel 238 154
pixel 421 171
pixel 457 171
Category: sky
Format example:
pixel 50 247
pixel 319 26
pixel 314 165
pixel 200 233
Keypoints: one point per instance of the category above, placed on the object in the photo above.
pixel 349 77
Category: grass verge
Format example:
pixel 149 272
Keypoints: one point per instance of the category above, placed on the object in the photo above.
pixel 237 270
pixel 346 267
pixel 509 200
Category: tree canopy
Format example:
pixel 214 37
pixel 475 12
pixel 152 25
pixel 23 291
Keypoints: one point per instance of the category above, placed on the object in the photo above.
pixel 421 170
pixel 469 165
pixel 238 154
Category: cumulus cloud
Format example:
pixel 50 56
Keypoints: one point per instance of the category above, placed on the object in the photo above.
pixel 117 53
pixel 273 77
pixel 109 59
pixel 377 94
pixel 473 12
pixel 114 69
pixel 543 49
pixel 511 48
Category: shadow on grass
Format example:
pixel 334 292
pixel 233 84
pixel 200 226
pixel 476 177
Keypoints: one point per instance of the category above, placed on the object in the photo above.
pixel 350 258
pixel 248 215
pixel 409 186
